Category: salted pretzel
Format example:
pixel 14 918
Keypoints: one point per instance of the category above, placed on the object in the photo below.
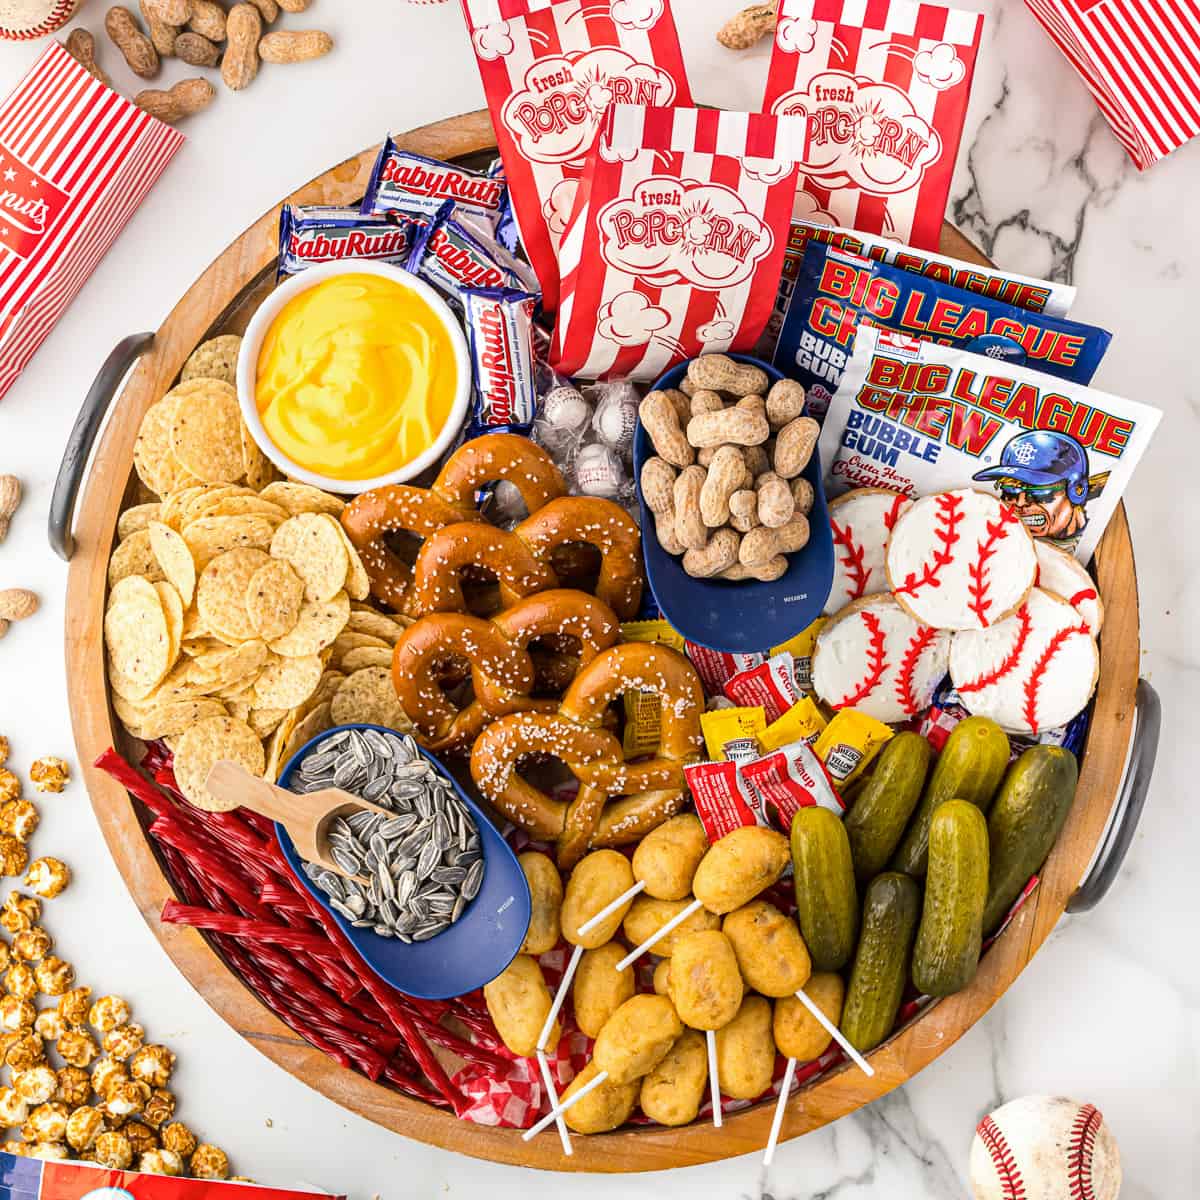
pixel 503 674
pixel 521 560
pixel 617 802
pixel 423 511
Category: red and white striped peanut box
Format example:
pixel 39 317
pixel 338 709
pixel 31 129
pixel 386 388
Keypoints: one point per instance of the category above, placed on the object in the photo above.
pixel 1141 61
pixel 75 160
pixel 883 86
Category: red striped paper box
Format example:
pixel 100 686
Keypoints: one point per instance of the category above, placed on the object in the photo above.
pixel 75 161
pixel 883 86
pixel 1141 61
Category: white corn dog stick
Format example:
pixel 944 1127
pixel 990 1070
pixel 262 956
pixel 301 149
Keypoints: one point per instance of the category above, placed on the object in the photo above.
pixel 609 909
pixel 657 937
pixel 788 1073
pixel 552 1092
pixel 560 1108
pixel 714 1082
pixel 837 1035
pixel 560 996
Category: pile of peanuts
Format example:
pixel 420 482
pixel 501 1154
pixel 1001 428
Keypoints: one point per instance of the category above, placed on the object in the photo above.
pixel 724 484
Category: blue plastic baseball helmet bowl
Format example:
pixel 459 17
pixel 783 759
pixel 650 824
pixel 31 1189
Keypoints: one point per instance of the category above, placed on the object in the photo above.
pixel 746 616
pixel 476 948
pixel 1042 458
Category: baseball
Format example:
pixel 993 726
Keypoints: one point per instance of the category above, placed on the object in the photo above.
pixel 1045 1148
pixel 23 19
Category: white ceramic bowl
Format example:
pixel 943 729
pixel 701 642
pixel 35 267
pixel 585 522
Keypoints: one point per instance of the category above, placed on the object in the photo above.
pixel 256 332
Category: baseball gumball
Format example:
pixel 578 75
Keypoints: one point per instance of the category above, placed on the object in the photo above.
pixel 21 20
pixel 598 472
pixel 1045 1148
pixel 565 410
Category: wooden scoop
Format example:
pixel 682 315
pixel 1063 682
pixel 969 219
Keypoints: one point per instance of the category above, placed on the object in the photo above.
pixel 306 818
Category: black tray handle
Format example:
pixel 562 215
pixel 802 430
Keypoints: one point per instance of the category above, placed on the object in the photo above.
pixel 1130 801
pixel 83 434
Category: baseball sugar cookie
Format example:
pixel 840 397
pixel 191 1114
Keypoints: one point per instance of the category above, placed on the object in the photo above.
pixel 1032 671
pixel 1060 572
pixel 1045 1148
pixel 24 19
pixel 877 658
pixel 960 560
pixel 862 522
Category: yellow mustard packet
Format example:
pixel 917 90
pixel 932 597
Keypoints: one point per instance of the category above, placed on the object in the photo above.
pixel 658 631
pixel 800 647
pixel 643 710
pixel 734 734
pixel 802 722
pixel 848 744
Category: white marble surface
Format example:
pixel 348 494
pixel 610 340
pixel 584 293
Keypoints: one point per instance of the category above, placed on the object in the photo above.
pixel 1109 1010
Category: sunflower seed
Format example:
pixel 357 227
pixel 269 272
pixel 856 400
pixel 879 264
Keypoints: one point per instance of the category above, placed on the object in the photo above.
pixel 474 879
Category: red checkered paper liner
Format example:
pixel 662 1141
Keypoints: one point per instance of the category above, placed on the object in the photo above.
pixel 550 68
pixel 75 160
pixel 1140 60
pixel 883 88
pixel 676 244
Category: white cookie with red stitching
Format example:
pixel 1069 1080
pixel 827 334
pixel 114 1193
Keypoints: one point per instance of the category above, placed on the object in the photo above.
pixel 875 657
pixel 960 560
pixel 862 522
pixel 1033 671
pixel 1060 572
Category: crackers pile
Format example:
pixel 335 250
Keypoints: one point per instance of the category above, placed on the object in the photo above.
pixel 236 625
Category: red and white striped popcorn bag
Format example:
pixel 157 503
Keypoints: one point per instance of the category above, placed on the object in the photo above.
pixel 1141 61
pixel 76 159
pixel 676 243
pixel 550 68
pixel 883 86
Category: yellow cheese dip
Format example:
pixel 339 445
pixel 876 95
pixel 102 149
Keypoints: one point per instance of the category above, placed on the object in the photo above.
pixel 356 377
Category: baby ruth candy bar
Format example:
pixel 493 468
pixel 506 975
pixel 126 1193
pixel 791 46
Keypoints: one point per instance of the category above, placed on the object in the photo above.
pixel 309 235
pixel 499 325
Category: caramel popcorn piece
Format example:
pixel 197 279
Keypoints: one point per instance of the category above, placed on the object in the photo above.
pixel 49 1025
pixel 3 749
pixel 14 1111
pixel 77 1048
pixel 73 1005
pixel 50 774
pixel 14 857
pixel 108 1012
pixel 160 1108
pixel 48 877
pixel 123 1042
pixel 36 1086
pixel 19 819
pixel 54 975
pixel 18 1148
pixel 127 1099
pixel 20 981
pixel 84 1126
pixel 112 1150
pixel 10 786
pixel 47 1123
pixel 5 956
pixel 153 1065
pixel 16 1014
pixel 74 1086
pixel 209 1162
pixel 20 912
pixel 27 1051
pixel 32 945
pixel 106 1074
pixel 142 1139
pixel 178 1137
pixel 160 1162
pixel 49 1151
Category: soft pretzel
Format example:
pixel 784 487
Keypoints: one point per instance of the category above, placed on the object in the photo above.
pixel 502 670
pixel 520 560
pixel 423 511
pixel 617 802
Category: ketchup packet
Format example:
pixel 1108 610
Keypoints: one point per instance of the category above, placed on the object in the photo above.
pixel 717 667
pixel 789 779
pixel 310 235
pixel 839 291
pixel 770 685
pixel 676 241
pixel 550 68
pixel 883 89
pixel 917 417
pixel 723 800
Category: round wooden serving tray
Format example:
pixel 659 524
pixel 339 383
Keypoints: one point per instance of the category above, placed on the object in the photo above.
pixel 221 301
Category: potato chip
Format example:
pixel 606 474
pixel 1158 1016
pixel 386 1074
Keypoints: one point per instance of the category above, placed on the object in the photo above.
pixel 366 656
pixel 210 536
pixel 376 624
pixel 221 593
pixel 203 500
pixel 153 458
pixel 318 720
pixel 273 599
pixel 358 583
pixel 172 607
pixel 302 497
pixel 213 740
pixel 288 682
pixel 264 721
pixel 174 558
pixel 345 642
pixel 310 543
pixel 214 359
pixel 330 682
pixel 135 632
pixel 239 506
pixel 206 430
pixel 135 518
pixel 228 666
pixel 175 505
pixel 317 626
pixel 134 556
pixel 368 696
pixel 258 468
pixel 170 717
pixel 277 743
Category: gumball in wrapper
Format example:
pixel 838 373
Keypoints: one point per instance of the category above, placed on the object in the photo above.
pixel 598 472
pixel 616 416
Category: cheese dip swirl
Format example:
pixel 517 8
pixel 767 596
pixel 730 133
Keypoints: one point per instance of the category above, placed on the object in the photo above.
pixel 356 377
